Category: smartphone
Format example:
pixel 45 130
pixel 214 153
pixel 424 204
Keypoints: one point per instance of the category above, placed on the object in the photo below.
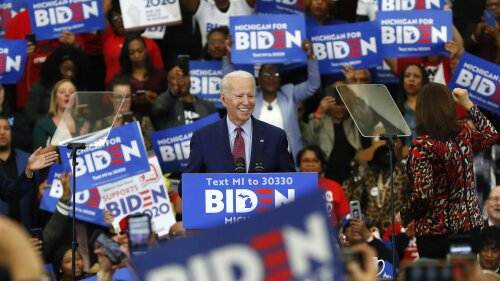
pixel 139 233
pixel 355 207
pixel 31 37
pixel 489 17
pixel 460 245
pixel 140 93
pixel 110 248
pixel 183 63
pixel 127 117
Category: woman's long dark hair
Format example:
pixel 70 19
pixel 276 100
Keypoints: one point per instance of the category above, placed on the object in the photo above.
pixel 50 73
pixel 435 113
pixel 125 63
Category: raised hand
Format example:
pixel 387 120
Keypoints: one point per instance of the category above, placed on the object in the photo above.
pixel 461 96
pixel 39 160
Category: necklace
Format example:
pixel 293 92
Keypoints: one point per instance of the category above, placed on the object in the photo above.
pixel 269 107
pixel 382 190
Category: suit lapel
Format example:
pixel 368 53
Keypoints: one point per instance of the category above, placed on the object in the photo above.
pixel 257 142
pixel 223 133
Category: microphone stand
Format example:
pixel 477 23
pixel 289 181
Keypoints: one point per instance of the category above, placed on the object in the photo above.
pixel 390 145
pixel 74 245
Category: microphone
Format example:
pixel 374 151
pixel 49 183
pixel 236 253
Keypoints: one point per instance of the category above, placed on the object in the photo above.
pixel 259 166
pixel 240 165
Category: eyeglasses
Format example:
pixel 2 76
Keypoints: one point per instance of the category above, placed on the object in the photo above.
pixel 275 75
pixel 491 5
pixel 117 18
pixel 494 199
pixel 309 160
pixel 216 42
pixel 120 97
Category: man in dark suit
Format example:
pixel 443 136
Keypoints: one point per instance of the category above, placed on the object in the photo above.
pixel 239 142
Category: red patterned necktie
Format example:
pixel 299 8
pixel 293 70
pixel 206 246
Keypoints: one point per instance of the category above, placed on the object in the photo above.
pixel 239 145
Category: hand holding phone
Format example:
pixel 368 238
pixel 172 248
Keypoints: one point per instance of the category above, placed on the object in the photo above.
pixel 37 241
pixel 489 18
pixel 109 248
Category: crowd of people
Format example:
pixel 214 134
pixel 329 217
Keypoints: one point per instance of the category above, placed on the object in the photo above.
pixel 446 174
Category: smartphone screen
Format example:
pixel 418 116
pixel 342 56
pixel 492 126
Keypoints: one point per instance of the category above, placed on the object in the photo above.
pixel 139 232
pixel 489 17
pixel 355 207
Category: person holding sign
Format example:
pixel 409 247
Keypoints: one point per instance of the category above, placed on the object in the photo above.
pixel 443 199
pixel 277 104
pixel 239 142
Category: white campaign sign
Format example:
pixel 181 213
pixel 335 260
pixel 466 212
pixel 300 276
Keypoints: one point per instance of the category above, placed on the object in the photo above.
pixel 145 193
pixel 139 14
pixel 155 32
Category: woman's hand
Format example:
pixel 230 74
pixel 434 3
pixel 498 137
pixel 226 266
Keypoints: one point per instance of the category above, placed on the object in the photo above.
pixel 461 96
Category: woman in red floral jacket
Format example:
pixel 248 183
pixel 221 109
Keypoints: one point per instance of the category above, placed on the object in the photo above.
pixel 443 199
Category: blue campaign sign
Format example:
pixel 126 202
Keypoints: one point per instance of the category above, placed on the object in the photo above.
pixel 267 39
pixel 8 10
pixel 414 34
pixel 205 80
pixel 172 146
pixel 12 60
pixel 280 7
pixel 49 18
pixel 87 201
pixel 410 5
pixel 356 44
pixel 481 78
pixel 293 242
pixel 383 74
pixel 211 200
pixel 122 156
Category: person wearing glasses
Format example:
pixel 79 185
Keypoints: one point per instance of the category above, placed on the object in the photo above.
pixel 312 159
pixel 215 48
pixel 493 208
pixel 276 104
pixel 239 142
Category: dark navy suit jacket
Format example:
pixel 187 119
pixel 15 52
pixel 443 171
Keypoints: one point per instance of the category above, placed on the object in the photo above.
pixel 211 151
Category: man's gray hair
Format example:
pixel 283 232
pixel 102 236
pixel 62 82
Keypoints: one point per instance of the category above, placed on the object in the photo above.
pixel 224 84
